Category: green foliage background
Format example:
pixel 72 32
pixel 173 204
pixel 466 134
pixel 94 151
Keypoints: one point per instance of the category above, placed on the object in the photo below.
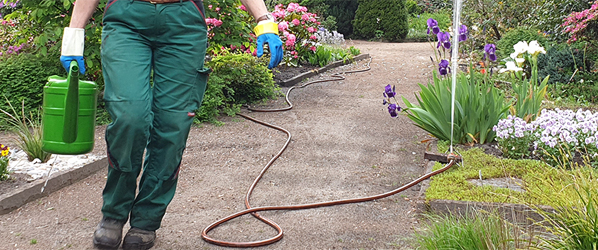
pixel 386 16
pixel 23 78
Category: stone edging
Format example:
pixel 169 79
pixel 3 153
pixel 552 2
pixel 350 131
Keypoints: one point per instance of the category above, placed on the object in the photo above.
pixel 32 191
pixel 298 78
pixel 518 213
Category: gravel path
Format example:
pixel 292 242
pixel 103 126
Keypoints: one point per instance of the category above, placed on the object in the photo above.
pixel 345 145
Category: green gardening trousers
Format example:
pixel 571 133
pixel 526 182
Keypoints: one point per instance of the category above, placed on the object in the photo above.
pixel 153 67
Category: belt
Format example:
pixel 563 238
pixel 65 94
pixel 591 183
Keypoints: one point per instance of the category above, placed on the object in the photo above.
pixel 162 1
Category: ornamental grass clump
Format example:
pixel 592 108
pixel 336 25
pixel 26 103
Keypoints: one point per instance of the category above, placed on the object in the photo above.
pixel 573 224
pixel 475 230
pixel 559 137
pixel 28 130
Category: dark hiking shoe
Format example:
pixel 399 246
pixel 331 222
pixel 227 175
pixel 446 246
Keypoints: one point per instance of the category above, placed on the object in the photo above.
pixel 139 239
pixel 108 234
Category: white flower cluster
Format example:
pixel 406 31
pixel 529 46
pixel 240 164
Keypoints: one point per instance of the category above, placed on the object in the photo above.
pixel 552 127
pixel 515 62
pixel 512 127
pixel 326 37
pixel 566 126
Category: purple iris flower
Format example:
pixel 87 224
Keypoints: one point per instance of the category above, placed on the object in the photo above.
pixel 443 67
pixel 463 33
pixel 433 24
pixel 393 109
pixel 389 91
pixel 490 51
pixel 444 38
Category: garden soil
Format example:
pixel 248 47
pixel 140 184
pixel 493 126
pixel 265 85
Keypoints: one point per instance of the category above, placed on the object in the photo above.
pixel 344 145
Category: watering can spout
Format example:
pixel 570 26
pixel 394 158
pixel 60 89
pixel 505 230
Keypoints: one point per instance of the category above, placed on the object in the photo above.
pixel 71 105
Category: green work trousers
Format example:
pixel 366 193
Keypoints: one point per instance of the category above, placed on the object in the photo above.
pixel 153 67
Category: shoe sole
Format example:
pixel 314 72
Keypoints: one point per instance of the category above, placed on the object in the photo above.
pixel 105 246
pixel 138 246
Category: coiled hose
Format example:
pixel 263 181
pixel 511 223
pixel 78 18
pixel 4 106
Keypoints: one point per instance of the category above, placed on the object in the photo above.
pixel 452 159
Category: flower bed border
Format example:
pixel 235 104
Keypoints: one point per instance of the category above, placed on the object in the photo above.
pixel 297 79
pixel 32 191
pixel 515 213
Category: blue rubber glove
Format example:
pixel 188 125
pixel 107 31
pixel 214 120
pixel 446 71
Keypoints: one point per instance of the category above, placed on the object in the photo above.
pixel 275 45
pixel 66 63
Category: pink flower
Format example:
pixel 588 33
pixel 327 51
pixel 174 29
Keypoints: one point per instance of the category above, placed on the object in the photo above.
pixel 313 48
pixel 242 7
pixel 313 20
pixel 296 56
pixel 210 6
pixel 305 17
pixel 302 8
pixel 278 14
pixel 311 29
pixel 296 22
pixel 313 38
pixel 290 40
pixel 292 7
pixel 282 26
pixel 218 9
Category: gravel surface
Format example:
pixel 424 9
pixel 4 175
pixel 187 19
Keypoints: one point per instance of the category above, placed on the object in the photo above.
pixel 345 145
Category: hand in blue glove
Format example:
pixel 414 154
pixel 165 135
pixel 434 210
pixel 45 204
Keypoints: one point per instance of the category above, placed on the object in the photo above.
pixel 66 62
pixel 275 45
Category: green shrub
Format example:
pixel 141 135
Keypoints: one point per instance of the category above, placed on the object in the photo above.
pixel 432 6
pixel 504 47
pixel 560 62
pixel 582 89
pixel 23 77
pixel 344 12
pixel 385 19
pixel 412 8
pixel 236 79
pixel 418 25
pixel 217 99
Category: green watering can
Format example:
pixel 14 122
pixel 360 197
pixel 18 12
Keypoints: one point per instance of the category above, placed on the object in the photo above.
pixel 69 114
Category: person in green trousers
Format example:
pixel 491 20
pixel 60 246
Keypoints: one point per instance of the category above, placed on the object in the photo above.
pixel 169 39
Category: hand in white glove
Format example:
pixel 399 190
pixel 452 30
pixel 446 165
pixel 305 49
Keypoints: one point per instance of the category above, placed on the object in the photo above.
pixel 73 41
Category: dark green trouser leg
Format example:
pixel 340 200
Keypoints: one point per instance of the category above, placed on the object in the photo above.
pixel 139 37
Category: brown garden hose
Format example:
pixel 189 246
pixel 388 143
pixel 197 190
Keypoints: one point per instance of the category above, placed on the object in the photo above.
pixel 452 159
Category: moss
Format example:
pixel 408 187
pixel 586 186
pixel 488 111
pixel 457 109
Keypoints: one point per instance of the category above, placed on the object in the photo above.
pixel 544 185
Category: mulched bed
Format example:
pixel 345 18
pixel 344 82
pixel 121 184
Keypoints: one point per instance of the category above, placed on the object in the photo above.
pixel 282 73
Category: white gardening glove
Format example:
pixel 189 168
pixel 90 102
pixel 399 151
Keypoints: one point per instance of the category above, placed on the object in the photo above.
pixel 73 42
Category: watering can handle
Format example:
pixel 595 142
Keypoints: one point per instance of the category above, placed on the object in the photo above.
pixel 71 104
